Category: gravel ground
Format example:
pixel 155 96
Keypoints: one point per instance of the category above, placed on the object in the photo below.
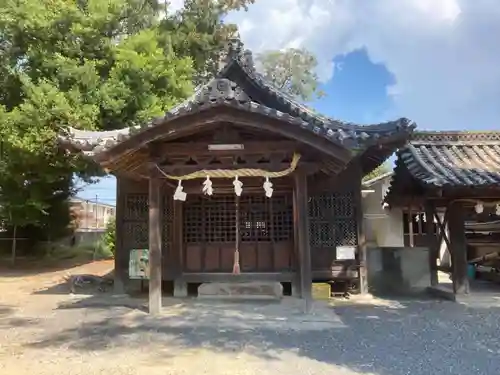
pixel 57 334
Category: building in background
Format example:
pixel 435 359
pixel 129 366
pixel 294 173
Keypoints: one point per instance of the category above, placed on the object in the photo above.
pixel 91 215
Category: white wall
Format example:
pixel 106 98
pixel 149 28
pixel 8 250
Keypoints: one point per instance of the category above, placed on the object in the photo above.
pixel 383 227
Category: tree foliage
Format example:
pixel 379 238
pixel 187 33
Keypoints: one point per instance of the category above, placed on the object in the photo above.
pixel 197 30
pixel 292 71
pixel 108 242
pixel 89 64
pixel 379 171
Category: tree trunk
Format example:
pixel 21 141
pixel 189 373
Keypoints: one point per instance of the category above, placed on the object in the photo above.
pixel 14 245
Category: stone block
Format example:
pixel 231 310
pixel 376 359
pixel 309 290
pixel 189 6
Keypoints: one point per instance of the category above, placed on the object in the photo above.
pixel 241 290
pixel 180 288
pixel 321 291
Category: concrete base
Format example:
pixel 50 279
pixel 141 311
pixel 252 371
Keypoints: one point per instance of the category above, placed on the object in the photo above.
pixel 243 290
pixel 180 289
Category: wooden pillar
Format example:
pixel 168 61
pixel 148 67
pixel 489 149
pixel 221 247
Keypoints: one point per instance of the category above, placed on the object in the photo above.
pixel 432 242
pixel 177 239
pixel 301 221
pixel 360 227
pixel 296 282
pixel 120 258
pixel 154 244
pixel 456 225
pixel 411 238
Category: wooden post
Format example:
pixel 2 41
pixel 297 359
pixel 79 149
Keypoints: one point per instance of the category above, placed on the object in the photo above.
pixel 362 249
pixel 121 259
pixel 177 239
pixel 301 219
pixel 410 226
pixel 296 282
pixel 432 242
pixel 456 225
pixel 154 244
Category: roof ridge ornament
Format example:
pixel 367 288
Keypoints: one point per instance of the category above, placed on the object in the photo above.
pixel 235 51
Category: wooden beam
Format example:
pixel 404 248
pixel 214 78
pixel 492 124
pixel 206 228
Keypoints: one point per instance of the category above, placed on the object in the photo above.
pixel 362 249
pixel 301 220
pixel 180 169
pixel 432 242
pixel 178 237
pixel 155 266
pixel 456 225
pixel 410 227
pixel 442 229
pixel 121 258
pixel 192 123
pixel 249 147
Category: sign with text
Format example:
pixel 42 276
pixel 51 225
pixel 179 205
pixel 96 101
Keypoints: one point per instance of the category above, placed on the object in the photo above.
pixel 346 252
pixel 139 264
pixel 226 147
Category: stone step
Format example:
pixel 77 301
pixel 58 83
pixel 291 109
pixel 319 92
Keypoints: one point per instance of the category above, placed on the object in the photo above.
pixel 241 290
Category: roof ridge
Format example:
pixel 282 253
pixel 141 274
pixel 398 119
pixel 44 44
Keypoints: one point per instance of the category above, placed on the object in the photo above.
pixel 245 60
pixel 452 136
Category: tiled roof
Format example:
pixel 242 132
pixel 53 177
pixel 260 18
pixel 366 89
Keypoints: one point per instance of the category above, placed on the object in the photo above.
pixel 456 159
pixel 223 92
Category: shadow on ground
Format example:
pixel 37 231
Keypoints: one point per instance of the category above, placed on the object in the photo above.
pixel 91 288
pixel 399 337
pixel 8 319
pixel 34 266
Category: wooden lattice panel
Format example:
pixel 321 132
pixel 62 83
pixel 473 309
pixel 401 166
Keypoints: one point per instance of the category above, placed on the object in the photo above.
pixel 210 219
pixel 332 220
pixel 213 219
pixel 167 221
pixel 254 218
pixel 135 222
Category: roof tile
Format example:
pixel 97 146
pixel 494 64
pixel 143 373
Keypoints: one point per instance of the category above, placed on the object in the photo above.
pixel 454 158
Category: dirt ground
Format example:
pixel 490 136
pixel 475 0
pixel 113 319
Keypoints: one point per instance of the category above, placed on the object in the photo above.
pixel 45 330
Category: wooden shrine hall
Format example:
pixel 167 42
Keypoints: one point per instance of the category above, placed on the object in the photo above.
pixel 241 183
pixel 453 180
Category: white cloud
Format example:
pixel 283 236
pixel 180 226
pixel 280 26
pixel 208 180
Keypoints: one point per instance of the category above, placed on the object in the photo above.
pixel 444 54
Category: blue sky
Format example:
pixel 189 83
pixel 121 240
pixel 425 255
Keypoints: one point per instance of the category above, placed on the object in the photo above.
pixel 433 61
pixel 356 93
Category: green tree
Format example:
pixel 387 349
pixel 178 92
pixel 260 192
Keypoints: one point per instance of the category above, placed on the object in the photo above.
pixel 109 239
pixel 88 64
pixel 292 71
pixel 197 30
pixel 379 171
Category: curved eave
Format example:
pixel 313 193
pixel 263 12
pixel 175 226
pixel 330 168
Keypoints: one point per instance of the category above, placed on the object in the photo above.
pixel 450 162
pixel 452 165
pixel 107 145
pixel 294 108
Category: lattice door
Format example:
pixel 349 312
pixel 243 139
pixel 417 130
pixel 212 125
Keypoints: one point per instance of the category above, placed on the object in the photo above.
pixel 135 222
pixel 210 232
pixel 332 222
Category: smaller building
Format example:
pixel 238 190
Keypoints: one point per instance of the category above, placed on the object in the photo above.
pixel 91 215
pixel 446 181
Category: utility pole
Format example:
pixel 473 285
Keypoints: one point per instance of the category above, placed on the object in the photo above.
pixel 96 217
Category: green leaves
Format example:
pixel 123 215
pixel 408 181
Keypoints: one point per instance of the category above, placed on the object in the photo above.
pixel 379 171
pixel 292 71
pixel 88 64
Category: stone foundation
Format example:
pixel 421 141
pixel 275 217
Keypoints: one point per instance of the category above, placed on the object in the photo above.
pixel 241 290
pixel 180 289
